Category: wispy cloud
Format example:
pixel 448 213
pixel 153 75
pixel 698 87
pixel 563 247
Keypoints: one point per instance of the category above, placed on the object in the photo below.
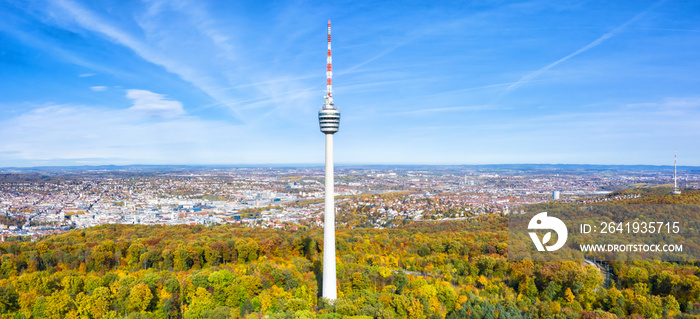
pixel 93 22
pixel 53 47
pixel 76 134
pixel 153 104
pixel 687 107
pixel 98 88
pixel 204 23
pixel 670 103
pixel 597 42
pixel 372 59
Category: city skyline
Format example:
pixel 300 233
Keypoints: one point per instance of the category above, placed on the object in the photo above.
pixel 223 84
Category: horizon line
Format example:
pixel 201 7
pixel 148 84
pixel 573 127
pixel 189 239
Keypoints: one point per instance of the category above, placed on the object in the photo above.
pixel 263 165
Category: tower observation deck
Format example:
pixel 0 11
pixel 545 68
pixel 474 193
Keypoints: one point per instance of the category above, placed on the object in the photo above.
pixel 329 116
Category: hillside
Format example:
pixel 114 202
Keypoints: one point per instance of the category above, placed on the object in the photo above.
pixel 456 269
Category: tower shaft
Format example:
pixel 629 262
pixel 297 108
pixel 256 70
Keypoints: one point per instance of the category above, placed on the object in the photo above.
pixel 329 273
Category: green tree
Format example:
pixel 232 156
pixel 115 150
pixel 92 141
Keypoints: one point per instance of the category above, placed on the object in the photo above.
pixel 201 303
pixel 134 254
pixel 8 299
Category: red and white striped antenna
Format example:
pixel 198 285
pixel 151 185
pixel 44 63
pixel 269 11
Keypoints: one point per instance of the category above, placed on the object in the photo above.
pixel 329 61
pixel 329 71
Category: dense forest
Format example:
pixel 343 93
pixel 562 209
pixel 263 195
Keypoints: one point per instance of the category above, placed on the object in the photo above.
pixel 456 269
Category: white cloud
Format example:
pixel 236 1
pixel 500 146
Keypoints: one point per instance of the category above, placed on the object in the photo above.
pixel 154 104
pixel 76 135
pixel 85 75
pixel 98 88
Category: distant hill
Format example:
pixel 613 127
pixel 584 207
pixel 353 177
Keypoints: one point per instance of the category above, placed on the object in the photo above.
pixel 478 167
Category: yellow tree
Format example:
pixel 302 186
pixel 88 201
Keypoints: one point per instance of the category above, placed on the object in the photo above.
pixel 140 297
pixel 58 305
pixel 82 305
pixel 415 310
pixel 568 296
pixel 265 301
pixel 26 303
pixel 100 302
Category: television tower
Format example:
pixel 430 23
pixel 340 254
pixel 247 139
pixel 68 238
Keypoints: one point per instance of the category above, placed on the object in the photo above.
pixel 329 119
pixel 676 190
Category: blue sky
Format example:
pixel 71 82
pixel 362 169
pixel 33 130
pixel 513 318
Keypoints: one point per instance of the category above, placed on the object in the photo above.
pixel 417 82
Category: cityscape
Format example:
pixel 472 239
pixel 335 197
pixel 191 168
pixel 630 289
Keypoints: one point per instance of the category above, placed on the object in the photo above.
pixel 36 203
